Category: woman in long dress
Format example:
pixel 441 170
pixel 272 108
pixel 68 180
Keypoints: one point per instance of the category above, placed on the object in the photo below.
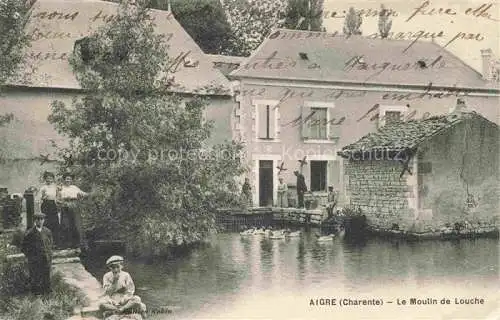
pixel 282 194
pixel 48 207
pixel 70 215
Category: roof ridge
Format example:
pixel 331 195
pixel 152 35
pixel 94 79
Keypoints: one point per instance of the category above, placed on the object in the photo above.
pixel 252 54
pixel 459 59
pixel 412 133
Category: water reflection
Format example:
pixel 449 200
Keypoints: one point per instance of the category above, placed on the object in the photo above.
pixel 234 273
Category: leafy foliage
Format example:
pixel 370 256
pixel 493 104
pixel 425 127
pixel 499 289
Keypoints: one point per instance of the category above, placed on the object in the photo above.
pixel 352 22
pixel 304 15
pixel 251 22
pixel 384 22
pixel 139 146
pixel 14 15
pixel 16 305
pixel 204 20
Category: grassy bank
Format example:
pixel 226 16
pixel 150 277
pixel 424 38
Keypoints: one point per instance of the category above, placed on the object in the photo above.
pixel 16 303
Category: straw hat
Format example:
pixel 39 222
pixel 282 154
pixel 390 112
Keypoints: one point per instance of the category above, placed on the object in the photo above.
pixel 114 260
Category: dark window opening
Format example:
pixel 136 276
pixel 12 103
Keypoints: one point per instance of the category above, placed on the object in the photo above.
pixel 392 117
pixel 318 175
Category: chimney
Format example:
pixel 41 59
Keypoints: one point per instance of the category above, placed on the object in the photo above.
pixel 486 57
pixel 459 107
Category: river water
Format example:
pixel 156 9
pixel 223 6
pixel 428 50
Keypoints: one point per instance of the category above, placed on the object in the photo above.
pixel 254 277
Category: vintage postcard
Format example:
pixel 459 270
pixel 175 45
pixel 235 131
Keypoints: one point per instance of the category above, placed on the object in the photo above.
pixel 249 159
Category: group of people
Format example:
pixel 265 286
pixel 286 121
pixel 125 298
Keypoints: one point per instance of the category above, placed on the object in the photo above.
pixel 59 205
pixel 118 286
pixel 56 225
pixel 63 229
pixel 301 189
pixel 282 190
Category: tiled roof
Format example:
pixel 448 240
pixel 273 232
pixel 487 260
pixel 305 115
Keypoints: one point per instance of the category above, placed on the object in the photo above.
pixel 57 24
pixel 321 56
pixel 407 135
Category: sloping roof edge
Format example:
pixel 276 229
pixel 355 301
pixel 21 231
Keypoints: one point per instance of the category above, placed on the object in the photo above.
pixel 216 82
pixel 460 117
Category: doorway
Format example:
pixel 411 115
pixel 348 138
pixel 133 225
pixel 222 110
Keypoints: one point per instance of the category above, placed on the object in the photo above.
pixel 265 183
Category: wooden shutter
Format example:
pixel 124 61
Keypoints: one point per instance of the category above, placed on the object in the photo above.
pixel 334 173
pixel 305 121
pixel 272 122
pixel 262 120
pixel 334 128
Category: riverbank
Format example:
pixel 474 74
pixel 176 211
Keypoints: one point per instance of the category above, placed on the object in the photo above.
pixel 16 303
pixel 492 233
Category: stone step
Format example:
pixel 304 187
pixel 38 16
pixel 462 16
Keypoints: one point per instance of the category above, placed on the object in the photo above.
pixel 90 311
pixel 66 260
pixel 58 256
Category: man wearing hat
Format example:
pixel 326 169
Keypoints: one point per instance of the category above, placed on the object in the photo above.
pixel 301 188
pixel 119 290
pixel 37 247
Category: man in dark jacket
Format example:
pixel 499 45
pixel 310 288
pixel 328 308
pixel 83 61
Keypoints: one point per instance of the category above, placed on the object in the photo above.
pixel 301 188
pixel 37 247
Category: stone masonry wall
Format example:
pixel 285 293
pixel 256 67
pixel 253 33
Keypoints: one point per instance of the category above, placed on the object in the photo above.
pixel 376 188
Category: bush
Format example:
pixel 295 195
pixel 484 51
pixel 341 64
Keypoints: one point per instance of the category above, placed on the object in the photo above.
pixel 143 194
pixel 58 305
pixel 14 278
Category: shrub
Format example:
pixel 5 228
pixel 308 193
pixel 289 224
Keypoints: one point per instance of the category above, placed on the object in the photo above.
pixel 143 195
pixel 58 305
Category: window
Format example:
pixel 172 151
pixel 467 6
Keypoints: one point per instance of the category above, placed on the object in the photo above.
pixel 392 117
pixel 391 114
pixel 317 122
pixel 266 121
pixel 318 175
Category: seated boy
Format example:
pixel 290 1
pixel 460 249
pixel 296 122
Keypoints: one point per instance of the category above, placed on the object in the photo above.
pixel 119 291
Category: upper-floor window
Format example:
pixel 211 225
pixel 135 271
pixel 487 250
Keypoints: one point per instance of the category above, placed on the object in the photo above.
pixel 266 119
pixel 391 114
pixel 318 123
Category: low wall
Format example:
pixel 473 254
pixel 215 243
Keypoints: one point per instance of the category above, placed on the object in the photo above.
pixel 233 220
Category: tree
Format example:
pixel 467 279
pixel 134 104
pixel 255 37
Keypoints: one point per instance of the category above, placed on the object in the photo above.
pixel 384 23
pixel 14 15
pixel 137 146
pixel 304 15
pixel 352 22
pixel 204 20
pixel 251 22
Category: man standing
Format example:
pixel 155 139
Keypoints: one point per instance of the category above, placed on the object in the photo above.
pixel 37 247
pixel 246 192
pixel 301 188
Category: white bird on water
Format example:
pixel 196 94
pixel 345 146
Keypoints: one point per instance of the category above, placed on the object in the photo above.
pixel 329 237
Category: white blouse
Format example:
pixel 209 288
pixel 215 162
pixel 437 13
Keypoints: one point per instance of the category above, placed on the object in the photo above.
pixel 71 192
pixel 49 192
